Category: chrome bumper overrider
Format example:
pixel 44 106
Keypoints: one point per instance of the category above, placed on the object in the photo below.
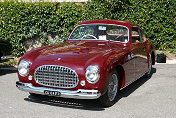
pixel 78 94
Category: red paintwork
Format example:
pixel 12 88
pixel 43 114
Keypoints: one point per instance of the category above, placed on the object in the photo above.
pixel 78 55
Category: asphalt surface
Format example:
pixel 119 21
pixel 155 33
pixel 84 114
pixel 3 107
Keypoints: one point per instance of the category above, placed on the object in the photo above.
pixel 153 97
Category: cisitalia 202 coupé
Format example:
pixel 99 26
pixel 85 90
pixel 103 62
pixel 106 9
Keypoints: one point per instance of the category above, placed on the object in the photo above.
pixel 99 58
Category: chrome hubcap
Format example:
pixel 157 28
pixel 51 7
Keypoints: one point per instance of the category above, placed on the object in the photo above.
pixel 112 88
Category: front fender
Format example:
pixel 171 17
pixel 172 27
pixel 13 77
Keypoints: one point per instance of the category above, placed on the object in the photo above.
pixel 107 63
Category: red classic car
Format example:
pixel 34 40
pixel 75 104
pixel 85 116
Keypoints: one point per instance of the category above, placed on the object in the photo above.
pixel 99 58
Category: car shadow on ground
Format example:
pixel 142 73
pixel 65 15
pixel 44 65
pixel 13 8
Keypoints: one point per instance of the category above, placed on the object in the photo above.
pixel 92 105
pixel 6 69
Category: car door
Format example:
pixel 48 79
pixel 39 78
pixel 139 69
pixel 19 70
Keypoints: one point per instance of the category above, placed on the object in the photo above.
pixel 129 66
pixel 140 51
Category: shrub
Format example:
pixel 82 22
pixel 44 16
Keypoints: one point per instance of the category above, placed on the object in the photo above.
pixel 157 18
pixel 21 21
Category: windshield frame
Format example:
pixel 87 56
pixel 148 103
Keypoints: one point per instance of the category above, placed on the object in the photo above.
pixel 98 39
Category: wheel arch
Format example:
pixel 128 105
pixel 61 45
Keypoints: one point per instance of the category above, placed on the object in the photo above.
pixel 121 73
pixel 153 57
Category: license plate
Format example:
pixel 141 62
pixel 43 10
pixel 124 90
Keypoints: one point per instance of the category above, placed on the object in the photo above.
pixel 52 93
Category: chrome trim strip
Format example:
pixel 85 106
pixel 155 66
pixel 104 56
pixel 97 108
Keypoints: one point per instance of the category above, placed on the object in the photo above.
pixel 78 94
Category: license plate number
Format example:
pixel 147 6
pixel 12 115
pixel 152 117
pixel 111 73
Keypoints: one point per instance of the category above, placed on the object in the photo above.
pixel 52 93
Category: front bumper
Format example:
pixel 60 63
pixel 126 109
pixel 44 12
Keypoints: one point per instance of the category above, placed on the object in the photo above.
pixel 78 94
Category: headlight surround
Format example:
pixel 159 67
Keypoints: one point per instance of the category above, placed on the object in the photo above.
pixel 23 68
pixel 92 74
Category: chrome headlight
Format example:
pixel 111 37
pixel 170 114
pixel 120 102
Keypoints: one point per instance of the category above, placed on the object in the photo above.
pixel 92 74
pixel 23 68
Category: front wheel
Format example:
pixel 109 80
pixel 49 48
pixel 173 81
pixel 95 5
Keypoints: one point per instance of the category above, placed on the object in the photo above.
pixel 110 97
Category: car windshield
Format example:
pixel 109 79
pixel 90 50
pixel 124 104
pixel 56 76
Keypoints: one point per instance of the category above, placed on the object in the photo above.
pixel 100 32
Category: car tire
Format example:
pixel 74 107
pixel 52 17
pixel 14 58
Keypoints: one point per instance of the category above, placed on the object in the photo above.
pixel 110 97
pixel 149 72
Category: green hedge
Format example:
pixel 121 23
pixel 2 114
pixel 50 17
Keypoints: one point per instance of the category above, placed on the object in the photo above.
pixel 156 17
pixel 21 21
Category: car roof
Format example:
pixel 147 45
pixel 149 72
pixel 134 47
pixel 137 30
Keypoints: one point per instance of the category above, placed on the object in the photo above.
pixel 116 22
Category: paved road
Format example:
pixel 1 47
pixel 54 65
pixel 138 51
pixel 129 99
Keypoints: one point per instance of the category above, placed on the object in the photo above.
pixel 153 97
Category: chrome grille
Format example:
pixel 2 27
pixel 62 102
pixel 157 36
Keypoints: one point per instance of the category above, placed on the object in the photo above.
pixel 56 76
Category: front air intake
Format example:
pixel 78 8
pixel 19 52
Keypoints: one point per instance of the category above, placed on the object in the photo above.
pixel 56 76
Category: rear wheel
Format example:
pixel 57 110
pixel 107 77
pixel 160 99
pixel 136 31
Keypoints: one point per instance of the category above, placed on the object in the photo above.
pixel 148 74
pixel 110 97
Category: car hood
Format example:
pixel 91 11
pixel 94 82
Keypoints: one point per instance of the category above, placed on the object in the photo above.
pixel 79 53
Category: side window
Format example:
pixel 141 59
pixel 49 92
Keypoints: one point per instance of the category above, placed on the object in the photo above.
pixel 137 35
pixel 117 33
